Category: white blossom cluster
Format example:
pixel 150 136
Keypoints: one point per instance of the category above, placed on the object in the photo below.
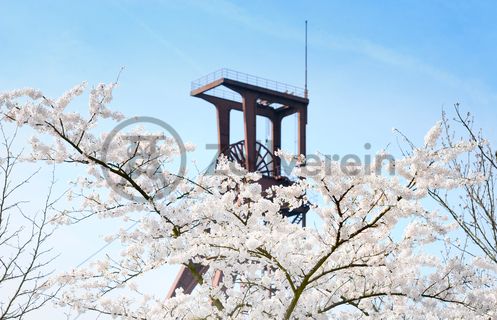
pixel 350 265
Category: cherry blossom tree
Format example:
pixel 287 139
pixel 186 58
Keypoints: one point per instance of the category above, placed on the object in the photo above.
pixel 475 207
pixel 369 253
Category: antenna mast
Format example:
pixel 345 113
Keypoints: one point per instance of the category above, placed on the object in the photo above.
pixel 305 88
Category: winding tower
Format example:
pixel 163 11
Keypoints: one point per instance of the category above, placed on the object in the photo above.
pixel 230 90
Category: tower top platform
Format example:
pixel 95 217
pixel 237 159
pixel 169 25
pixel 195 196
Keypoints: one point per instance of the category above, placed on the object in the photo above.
pixel 270 93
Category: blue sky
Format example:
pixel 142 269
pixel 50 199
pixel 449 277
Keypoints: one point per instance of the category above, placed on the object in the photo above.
pixel 372 65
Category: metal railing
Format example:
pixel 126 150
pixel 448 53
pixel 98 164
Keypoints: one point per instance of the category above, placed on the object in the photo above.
pixel 248 79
